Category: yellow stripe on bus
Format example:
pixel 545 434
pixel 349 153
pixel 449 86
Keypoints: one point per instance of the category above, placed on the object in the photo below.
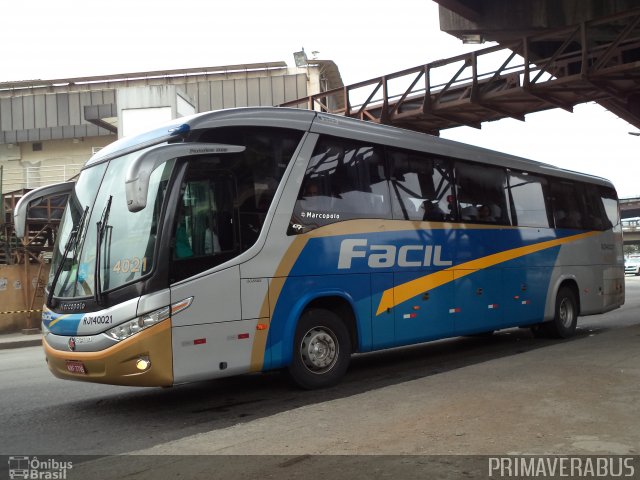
pixel 397 295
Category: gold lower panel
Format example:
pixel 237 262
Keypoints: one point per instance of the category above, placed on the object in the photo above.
pixel 117 365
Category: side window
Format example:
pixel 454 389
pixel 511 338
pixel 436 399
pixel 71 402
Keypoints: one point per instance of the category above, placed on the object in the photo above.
pixel 345 180
pixel 481 194
pixel 609 200
pixel 225 199
pixel 530 200
pixel 204 228
pixel 256 173
pixel 568 198
pixel 421 187
pixel 595 215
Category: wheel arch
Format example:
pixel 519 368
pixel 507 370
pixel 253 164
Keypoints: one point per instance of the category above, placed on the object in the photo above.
pixel 338 302
pixel 568 281
pixel 342 307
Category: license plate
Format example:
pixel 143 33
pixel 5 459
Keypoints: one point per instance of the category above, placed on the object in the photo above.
pixel 74 366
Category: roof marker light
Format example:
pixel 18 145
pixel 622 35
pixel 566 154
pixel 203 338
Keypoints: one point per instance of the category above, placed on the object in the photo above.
pixel 179 130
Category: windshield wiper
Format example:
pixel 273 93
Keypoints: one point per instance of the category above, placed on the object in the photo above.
pixel 101 227
pixel 71 243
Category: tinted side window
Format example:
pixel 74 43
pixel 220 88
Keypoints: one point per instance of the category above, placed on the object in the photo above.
pixel 481 193
pixel 609 200
pixel 530 200
pixel 204 216
pixel 568 198
pixel 257 172
pixel 595 214
pixel 225 198
pixel 421 187
pixel 345 180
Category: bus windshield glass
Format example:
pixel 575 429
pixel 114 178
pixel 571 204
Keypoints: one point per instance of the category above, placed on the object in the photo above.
pixel 127 239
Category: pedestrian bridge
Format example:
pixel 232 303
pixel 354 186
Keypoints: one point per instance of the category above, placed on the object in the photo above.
pixel 554 69
pixel 631 230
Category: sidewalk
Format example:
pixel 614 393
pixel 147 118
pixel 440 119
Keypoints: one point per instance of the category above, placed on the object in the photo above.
pixel 18 340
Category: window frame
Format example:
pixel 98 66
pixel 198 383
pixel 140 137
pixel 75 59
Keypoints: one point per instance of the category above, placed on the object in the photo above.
pixel 505 214
pixel 455 166
pixel 449 198
pixel 546 195
pixel 307 217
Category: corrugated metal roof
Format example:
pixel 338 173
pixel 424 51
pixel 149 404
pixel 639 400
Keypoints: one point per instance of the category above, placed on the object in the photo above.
pixel 124 77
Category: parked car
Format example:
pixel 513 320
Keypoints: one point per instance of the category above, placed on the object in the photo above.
pixel 632 265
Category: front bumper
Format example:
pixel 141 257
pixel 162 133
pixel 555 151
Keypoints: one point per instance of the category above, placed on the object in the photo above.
pixel 116 365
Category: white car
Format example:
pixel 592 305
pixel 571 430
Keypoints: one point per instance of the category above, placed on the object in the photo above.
pixel 632 265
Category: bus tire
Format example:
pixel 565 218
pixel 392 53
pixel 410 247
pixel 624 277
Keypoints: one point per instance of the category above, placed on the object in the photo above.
pixel 565 318
pixel 321 350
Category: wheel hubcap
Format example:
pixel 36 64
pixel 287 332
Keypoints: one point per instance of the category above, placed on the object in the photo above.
pixel 566 313
pixel 319 350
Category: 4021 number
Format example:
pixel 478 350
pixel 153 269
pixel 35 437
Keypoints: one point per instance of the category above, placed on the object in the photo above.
pixel 131 265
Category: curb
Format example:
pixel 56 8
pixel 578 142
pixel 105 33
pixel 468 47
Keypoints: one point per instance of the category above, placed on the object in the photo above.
pixel 21 343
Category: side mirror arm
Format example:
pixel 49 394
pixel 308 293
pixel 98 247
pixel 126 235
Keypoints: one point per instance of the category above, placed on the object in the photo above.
pixel 139 173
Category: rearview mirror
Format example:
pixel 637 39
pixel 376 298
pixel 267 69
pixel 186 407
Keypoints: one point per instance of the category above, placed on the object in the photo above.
pixel 21 209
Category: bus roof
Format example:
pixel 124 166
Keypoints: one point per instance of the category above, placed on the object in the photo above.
pixel 330 124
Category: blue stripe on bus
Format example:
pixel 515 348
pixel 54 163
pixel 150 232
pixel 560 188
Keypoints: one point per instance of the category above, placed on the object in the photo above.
pixel 62 323
pixel 315 274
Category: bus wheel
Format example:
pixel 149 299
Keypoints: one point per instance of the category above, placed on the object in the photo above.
pixel 565 319
pixel 322 350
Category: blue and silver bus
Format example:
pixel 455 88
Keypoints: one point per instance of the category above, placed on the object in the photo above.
pixel 255 239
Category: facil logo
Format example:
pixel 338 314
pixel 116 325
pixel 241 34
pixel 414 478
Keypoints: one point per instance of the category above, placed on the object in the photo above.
pixel 385 256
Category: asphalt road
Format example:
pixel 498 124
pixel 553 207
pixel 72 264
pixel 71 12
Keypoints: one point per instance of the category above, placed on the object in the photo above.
pixel 42 415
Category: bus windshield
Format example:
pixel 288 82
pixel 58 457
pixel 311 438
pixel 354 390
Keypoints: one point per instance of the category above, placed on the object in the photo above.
pixel 126 239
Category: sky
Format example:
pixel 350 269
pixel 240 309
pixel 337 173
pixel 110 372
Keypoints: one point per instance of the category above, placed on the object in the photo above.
pixel 48 39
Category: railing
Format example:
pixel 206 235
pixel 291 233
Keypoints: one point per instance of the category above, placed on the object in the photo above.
pixel 631 225
pixel 555 69
pixel 16 178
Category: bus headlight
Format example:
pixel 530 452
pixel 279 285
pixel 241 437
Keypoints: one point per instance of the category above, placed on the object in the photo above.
pixel 125 330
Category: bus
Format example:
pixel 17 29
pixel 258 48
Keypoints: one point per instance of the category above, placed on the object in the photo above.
pixel 256 239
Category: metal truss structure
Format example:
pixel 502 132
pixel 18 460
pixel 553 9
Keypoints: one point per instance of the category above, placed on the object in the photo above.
pixel 595 61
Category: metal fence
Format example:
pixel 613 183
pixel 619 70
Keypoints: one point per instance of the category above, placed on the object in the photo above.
pixel 16 178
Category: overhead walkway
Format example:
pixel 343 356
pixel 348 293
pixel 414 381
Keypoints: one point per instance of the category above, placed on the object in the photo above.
pixel 505 81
